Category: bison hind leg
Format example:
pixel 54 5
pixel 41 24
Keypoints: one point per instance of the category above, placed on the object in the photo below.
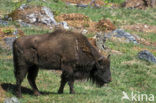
pixel 20 73
pixel 32 74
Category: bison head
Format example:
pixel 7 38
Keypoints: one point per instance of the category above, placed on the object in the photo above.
pixel 101 73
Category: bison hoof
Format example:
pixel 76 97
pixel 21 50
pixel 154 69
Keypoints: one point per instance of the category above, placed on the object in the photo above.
pixel 36 93
pixel 60 92
pixel 73 92
pixel 19 95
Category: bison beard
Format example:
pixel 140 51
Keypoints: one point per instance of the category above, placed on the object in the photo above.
pixel 61 50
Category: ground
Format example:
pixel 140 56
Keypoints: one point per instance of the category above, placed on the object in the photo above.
pixel 128 72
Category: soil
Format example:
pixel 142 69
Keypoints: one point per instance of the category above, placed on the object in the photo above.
pixel 85 2
pixel 136 48
pixel 75 20
pixel 105 25
pixel 81 21
pixel 8 32
pixel 20 14
pixel 140 4
pixel 141 28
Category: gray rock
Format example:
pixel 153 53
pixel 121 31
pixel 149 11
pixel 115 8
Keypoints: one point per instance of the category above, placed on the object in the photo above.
pixel 146 55
pixel 6 17
pixel 82 5
pixel 2 22
pixel 32 18
pixel 45 16
pixel 29 1
pixel 9 41
pixel 65 25
pixel 23 24
pixel 11 100
pixel 15 32
pixel 50 17
pixel 23 6
pixel 100 41
pixel 122 34
pixel 84 31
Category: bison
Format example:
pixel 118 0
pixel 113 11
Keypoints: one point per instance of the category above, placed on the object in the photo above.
pixel 63 50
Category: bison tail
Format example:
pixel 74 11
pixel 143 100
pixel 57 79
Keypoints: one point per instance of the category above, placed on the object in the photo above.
pixel 15 57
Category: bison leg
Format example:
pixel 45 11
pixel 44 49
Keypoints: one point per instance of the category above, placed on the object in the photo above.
pixel 67 76
pixel 32 74
pixel 71 86
pixel 20 74
pixel 63 82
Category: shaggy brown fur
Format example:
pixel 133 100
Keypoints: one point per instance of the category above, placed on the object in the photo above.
pixel 60 50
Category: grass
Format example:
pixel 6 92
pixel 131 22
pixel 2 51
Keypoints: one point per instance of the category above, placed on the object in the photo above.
pixel 128 72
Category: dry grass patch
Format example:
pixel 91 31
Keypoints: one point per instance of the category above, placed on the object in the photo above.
pixel 141 28
pixel 86 2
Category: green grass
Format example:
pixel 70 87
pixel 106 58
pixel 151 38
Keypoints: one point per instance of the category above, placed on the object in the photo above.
pixel 128 72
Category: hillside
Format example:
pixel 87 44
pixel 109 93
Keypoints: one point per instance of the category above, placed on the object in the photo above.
pixel 129 73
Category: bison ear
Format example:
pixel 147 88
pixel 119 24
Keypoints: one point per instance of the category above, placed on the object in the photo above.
pixel 108 57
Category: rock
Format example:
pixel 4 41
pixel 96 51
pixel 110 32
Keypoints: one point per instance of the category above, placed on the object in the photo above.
pixel 29 0
pixel 11 100
pixel 119 33
pixel 146 55
pixel 36 15
pixel 50 17
pixel 23 24
pixel 84 31
pixel 2 22
pixel 9 41
pixel 32 18
pixel 23 6
pixel 82 5
pixel 100 40
pixel 65 25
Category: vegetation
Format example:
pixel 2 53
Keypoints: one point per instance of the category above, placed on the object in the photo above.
pixel 128 72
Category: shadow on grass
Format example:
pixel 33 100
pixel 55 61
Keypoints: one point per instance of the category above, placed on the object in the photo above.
pixel 12 87
pixel 8 87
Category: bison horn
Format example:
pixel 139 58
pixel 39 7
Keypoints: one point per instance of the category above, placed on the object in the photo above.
pixel 108 57
pixel 100 58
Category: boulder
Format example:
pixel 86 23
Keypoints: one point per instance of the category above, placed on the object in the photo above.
pixel 124 36
pixel 3 22
pixel 100 41
pixel 36 15
pixel 146 55
pixel 11 100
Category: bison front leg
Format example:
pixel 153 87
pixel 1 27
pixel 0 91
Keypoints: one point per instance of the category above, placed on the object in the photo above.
pixel 63 82
pixel 32 74
pixel 71 86
pixel 67 76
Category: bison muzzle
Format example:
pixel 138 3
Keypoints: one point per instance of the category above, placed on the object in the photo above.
pixel 63 50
